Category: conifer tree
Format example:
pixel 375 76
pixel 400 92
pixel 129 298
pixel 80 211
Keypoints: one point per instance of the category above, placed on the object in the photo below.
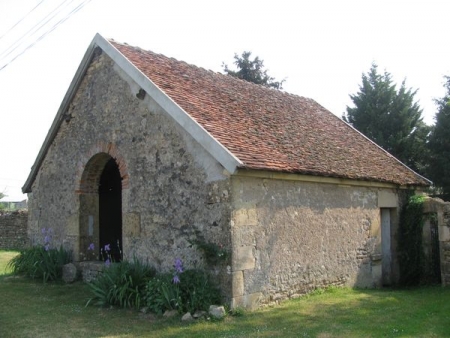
pixel 252 71
pixel 390 118
pixel 439 145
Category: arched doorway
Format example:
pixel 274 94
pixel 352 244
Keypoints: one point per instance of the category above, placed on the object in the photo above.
pixel 100 206
pixel 110 210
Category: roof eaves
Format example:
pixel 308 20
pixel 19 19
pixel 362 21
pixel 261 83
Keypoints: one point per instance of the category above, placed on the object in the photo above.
pixel 426 182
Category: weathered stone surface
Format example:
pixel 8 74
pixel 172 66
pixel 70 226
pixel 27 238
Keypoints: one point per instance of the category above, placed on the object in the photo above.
pixel 252 301
pixel 171 187
pixel 69 273
pixel 90 270
pixel 308 235
pixel 387 199
pixel 217 311
pixel 187 317
pixel 13 230
pixel 243 258
pixel 238 283
pixel 170 313
pixel 199 314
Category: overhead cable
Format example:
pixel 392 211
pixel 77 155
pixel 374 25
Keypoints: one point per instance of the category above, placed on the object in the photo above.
pixel 72 12
pixel 18 22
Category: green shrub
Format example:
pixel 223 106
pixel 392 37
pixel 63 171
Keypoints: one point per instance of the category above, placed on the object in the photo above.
pixel 121 284
pixel 194 291
pixel 198 291
pixel 40 262
pixel 162 294
pixel 411 255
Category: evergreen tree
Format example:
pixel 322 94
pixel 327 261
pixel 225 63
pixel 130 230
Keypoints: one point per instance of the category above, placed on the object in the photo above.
pixel 390 118
pixel 252 71
pixel 439 145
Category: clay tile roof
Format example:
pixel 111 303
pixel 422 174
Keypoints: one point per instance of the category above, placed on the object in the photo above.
pixel 268 129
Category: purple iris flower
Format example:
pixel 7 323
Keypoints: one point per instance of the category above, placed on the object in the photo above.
pixel 178 265
pixel 107 247
pixel 91 246
pixel 107 263
pixel 176 279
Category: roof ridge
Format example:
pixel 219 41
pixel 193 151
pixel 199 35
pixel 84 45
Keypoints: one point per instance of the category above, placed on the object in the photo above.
pixel 271 129
pixel 226 76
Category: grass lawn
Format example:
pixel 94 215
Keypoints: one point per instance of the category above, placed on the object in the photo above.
pixel 33 309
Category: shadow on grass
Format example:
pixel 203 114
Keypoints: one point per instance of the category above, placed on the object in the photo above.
pixel 32 309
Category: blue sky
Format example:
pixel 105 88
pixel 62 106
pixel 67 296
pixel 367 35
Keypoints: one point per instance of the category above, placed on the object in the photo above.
pixel 321 47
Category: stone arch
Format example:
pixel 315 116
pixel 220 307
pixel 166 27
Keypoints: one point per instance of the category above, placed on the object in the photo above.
pixel 95 159
pixel 101 156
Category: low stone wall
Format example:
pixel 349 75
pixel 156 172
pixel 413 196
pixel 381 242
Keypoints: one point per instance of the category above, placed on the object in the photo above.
pixel 13 230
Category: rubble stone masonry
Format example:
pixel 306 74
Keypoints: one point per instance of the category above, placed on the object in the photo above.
pixel 13 230
pixel 172 189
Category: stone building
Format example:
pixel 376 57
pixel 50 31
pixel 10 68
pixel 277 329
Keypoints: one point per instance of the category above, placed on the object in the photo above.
pixel 149 154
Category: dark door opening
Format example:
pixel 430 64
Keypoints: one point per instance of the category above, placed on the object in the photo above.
pixel 110 211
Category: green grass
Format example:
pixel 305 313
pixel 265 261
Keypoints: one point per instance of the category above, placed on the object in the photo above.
pixel 33 309
pixel 5 257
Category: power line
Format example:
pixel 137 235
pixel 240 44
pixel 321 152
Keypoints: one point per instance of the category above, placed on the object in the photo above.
pixel 18 22
pixel 32 30
pixel 72 12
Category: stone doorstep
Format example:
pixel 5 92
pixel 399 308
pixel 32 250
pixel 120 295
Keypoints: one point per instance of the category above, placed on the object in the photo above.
pixel 90 269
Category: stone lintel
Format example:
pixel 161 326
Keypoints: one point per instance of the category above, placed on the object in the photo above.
pixel 387 199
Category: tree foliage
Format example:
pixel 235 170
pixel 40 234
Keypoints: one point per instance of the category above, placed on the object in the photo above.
pixel 410 249
pixel 390 118
pixel 439 144
pixel 252 71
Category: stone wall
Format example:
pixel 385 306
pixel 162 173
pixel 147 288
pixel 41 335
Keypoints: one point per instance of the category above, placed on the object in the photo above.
pixel 13 230
pixel 172 189
pixel 442 210
pixel 290 237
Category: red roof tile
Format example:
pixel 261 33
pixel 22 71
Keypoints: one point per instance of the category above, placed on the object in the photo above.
pixel 269 129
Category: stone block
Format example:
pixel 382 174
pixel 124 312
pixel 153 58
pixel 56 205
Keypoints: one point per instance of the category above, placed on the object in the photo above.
pixel 69 273
pixel 90 270
pixel 243 258
pixel 131 224
pixel 217 311
pixel 444 233
pixel 387 199
pixel 238 283
pixel 245 216
pixel 251 301
pixel 187 317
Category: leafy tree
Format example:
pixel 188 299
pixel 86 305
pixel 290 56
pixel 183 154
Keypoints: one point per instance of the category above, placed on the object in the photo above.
pixel 252 71
pixel 390 118
pixel 439 144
